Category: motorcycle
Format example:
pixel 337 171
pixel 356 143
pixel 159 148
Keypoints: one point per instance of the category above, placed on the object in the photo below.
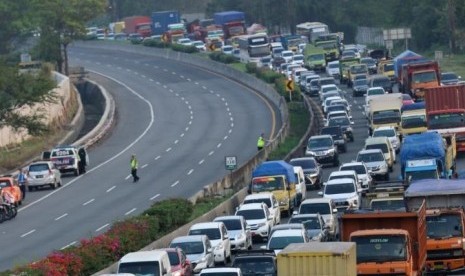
pixel 8 209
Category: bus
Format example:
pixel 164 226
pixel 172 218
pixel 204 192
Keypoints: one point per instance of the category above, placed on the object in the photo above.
pixel 254 47
pixel 312 30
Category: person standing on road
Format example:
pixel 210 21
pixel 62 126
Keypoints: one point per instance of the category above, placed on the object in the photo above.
pixel 22 182
pixel 261 142
pixel 134 165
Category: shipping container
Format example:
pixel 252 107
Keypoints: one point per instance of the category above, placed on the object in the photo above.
pixel 161 20
pixel 318 259
pixel 445 97
pixel 222 18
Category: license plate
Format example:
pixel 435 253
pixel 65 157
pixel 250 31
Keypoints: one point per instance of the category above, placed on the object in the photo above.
pixel 438 267
pixel 39 176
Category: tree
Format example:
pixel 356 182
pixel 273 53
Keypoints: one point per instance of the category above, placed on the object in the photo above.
pixel 24 90
pixel 63 21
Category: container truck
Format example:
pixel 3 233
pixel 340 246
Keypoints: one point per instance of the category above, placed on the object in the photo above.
pixel 232 23
pixel 384 110
pixel 277 177
pixel 445 111
pixel 445 222
pixel 417 77
pixel 413 119
pixel 387 242
pixel 161 20
pixel 405 58
pixel 318 259
pixel 291 42
pixel 427 156
pixel 138 24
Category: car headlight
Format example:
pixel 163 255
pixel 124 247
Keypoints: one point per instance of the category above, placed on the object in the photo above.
pixel 240 236
pixel 51 176
pixel 349 129
pixel 177 273
pixel 219 247
pixel 203 259
pixel 330 151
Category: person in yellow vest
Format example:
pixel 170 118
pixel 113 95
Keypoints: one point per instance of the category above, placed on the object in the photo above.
pixel 261 142
pixel 134 165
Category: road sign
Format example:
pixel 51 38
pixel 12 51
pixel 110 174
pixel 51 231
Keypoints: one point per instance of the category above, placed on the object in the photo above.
pixel 231 162
pixel 290 85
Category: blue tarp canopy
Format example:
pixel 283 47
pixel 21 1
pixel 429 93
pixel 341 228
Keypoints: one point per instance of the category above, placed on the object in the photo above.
pixel 427 187
pixel 404 58
pixel 414 106
pixel 279 167
pixel 422 146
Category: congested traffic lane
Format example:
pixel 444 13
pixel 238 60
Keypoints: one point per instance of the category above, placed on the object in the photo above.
pixel 180 121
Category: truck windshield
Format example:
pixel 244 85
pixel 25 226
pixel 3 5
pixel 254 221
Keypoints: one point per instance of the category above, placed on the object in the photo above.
pixel 388 204
pixel 266 184
pixel 422 77
pixel 343 188
pixel 259 51
pixel 413 121
pixel 416 175
pixel 358 69
pixel 380 248
pixel 316 57
pixel 386 117
pixel 388 67
pixel 449 120
pixel 140 268
pixel 256 265
pixel 370 157
pixel 313 208
pixel 444 226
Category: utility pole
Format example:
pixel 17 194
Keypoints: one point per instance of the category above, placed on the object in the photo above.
pixel 451 20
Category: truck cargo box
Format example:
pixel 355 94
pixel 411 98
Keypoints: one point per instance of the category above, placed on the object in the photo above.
pixel 438 193
pixel 275 168
pixel 445 97
pixel 318 259
pixel 161 20
pixel 222 18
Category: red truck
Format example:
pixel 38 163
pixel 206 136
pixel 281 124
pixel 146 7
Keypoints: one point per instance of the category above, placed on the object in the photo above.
pixel 445 111
pixel 416 77
pixel 388 242
pixel 138 24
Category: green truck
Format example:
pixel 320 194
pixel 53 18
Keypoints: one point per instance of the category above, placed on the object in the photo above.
pixel 344 66
pixel 314 58
pixel 330 47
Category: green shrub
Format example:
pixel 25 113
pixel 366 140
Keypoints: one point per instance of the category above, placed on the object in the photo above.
pixel 171 213
pixel 267 75
pixel 224 58
pixel 251 68
pixel 155 43
pixel 184 48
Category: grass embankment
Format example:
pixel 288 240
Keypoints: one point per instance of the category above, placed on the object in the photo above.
pixel 453 63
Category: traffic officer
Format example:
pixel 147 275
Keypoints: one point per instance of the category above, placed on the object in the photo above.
pixel 261 142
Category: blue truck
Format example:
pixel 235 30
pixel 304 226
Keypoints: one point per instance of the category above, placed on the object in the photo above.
pixel 231 22
pixel 161 20
pixel 427 156
pixel 278 178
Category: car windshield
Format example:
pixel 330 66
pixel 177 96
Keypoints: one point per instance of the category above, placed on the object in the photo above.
pixel 331 177
pixel 387 204
pixel 370 157
pixel 4 184
pixel 327 81
pixel 368 61
pixel 255 265
pixel 267 184
pixel 305 164
pixel 448 76
pixel 320 143
pixel 377 91
pixel 360 82
pixel 140 268
pixel 380 248
pixel 383 147
pixel 450 120
pixel 281 242
pixel 189 247
pixel 381 82
pixel 298 58
pixel 266 60
pixel 212 233
pixel 386 116
pixel 333 65
pixel 388 67
pixel 174 257
pixel 359 169
pixel 339 121
pixel 343 188
pixel 331 131
pixel 338 107
pixel 314 208
pixel 38 168
pixel 384 132
pixel 444 226
pixel 251 214
pixel 232 224
pixel 288 54
pixel 313 223
pixel 424 77
pixel 340 102
pixel 267 201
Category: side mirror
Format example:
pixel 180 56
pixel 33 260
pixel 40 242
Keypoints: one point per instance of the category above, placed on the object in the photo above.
pixel 226 237
pixel 320 193
pixel 324 183
pixel 335 210
pixel 210 250
pixel 295 213
pixel 351 122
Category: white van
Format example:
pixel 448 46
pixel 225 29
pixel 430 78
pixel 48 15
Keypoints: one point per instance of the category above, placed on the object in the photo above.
pixel 385 146
pixel 145 263
pixel 300 187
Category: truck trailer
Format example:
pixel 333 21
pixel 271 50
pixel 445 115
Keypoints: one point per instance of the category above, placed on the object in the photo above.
pixel 445 111
pixel 445 222
pixel 161 20
pixel 387 242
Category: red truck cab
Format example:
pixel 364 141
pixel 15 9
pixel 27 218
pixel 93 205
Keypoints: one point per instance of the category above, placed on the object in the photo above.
pixel 417 77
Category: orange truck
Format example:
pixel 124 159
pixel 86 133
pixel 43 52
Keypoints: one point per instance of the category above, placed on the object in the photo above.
pixel 387 242
pixel 445 112
pixel 417 77
pixel 445 222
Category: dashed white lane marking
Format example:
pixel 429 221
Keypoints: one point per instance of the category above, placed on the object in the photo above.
pixel 225 137
pixel 176 141
pixel 143 166
pixel 28 233
pixel 68 245
pixel 151 80
pixel 196 83
pixel 219 145
pixel 186 129
pixel 204 87
pixel 102 227
pixel 188 79
pixel 175 183
pixel 230 130
pixel 168 149
pixel 211 152
pixel 88 202
pixel 190 123
pixel 182 134
pixel 190 171
pixel 127 177
pixel 158 157
pixel 155 196
pixel 111 189
pixel 130 211
pixel 201 161
pixel 62 216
